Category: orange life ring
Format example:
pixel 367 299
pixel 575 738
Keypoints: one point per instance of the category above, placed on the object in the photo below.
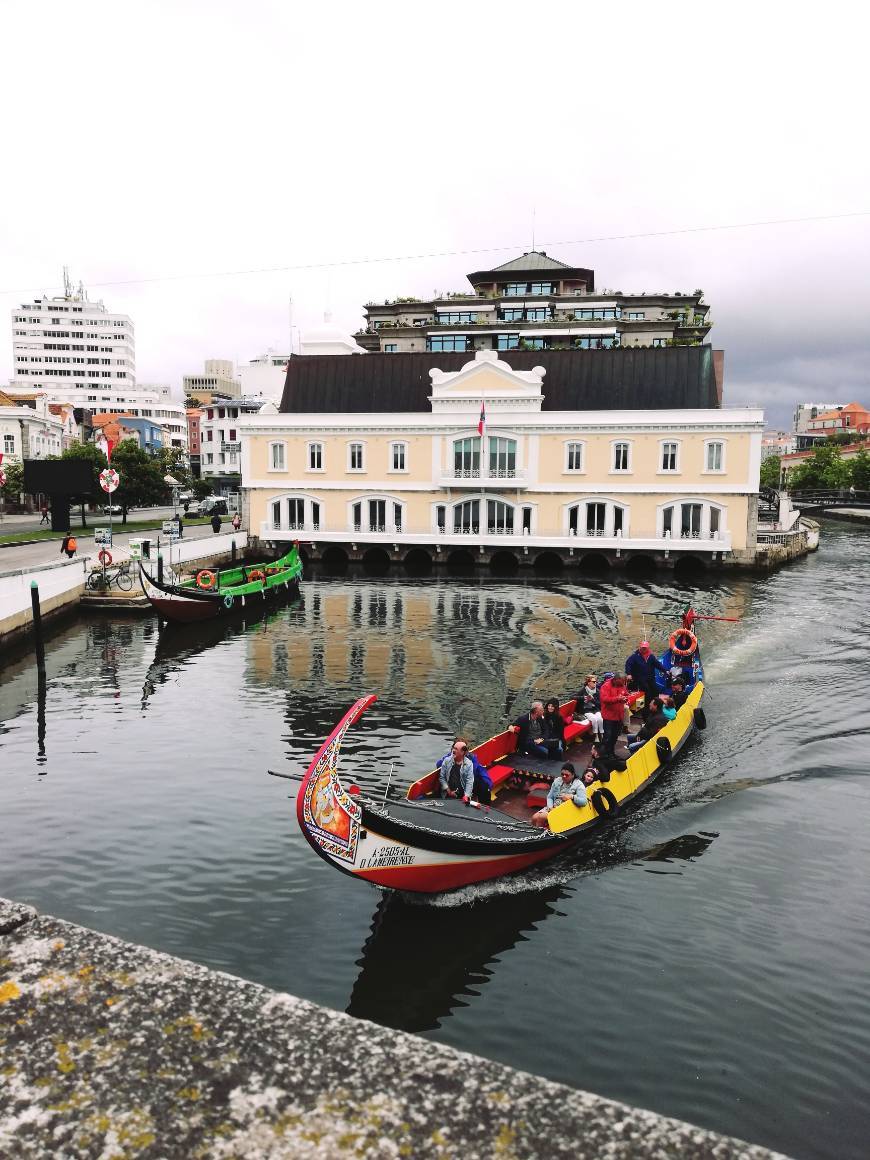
pixel 105 557
pixel 682 634
pixel 256 574
pixel 206 579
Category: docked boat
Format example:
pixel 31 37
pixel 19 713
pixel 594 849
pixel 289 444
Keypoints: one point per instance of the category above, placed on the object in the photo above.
pixel 220 592
pixel 428 844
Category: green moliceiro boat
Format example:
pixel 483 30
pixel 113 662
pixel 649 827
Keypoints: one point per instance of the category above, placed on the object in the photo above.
pixel 209 593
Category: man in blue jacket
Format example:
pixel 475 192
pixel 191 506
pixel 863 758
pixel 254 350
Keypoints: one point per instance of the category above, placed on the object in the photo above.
pixel 641 667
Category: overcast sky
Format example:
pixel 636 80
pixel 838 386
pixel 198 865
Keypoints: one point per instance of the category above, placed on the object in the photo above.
pixel 148 141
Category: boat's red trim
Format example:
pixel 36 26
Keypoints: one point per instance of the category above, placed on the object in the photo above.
pixel 177 608
pixel 432 879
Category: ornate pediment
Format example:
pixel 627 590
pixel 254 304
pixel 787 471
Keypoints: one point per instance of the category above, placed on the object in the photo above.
pixel 487 377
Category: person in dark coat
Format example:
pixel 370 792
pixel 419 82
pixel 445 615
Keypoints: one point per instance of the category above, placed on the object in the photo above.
pixel 553 725
pixel 530 730
pixel 215 522
pixel 656 721
pixel 641 668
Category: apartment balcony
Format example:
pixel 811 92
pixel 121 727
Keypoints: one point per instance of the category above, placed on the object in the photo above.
pixel 507 478
pixel 448 538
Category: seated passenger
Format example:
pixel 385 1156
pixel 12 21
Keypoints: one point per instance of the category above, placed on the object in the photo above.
pixel 456 777
pixel 656 721
pixel 678 692
pixel 530 730
pixel 588 707
pixel 667 706
pixel 566 788
pixel 482 780
pixel 553 724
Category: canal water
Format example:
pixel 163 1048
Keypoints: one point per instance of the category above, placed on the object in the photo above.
pixel 706 957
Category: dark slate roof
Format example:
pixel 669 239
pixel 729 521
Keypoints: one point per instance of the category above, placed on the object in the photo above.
pixel 576 380
pixel 534 260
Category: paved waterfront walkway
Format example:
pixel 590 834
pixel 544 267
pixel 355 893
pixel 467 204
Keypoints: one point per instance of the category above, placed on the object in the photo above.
pixel 110 1049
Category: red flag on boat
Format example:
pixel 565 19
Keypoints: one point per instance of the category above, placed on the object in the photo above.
pixel 482 421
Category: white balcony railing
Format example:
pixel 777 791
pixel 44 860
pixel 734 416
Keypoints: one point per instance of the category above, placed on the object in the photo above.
pixel 483 477
pixel 522 539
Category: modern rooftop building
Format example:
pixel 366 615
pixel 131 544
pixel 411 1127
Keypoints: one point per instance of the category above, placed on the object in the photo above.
pixel 218 380
pixel 73 350
pixel 535 302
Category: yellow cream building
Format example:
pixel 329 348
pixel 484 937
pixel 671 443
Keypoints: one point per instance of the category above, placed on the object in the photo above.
pixel 487 470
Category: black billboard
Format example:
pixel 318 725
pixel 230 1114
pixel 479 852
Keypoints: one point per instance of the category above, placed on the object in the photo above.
pixel 59 477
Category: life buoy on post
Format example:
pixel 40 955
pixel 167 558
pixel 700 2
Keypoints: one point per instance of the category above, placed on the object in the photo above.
pixel 205 579
pixel 604 801
pixel 683 642
pixel 105 557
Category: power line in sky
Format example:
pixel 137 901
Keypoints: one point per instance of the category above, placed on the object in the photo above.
pixel 347 262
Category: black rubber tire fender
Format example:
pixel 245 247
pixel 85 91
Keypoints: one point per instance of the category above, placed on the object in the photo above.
pixel 663 748
pixel 700 718
pixel 604 802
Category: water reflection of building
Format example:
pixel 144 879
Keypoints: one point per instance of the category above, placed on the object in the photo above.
pixel 503 640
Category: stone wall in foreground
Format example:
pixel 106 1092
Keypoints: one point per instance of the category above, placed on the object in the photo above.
pixel 110 1049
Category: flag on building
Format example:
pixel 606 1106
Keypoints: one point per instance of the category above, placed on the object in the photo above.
pixel 482 421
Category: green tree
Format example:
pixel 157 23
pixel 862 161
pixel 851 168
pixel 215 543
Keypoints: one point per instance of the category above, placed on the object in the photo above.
pixel 826 468
pixel 13 488
pixel 141 478
pixel 861 470
pixel 172 461
pixel 91 453
pixel 770 469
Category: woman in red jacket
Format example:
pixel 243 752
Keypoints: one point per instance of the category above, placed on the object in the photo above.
pixel 614 698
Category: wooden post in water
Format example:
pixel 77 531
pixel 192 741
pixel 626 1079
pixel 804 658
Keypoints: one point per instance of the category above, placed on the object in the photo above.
pixel 233 550
pixel 37 626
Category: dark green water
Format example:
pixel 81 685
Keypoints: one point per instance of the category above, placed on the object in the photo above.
pixel 707 958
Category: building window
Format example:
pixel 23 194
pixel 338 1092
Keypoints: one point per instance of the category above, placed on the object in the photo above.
pixel 597 518
pixel 660 342
pixel 8 444
pixel 507 341
pixel 276 456
pixel 456 318
pixel 714 456
pixel 398 460
pixel 466 458
pixel 276 514
pixel 466 516
pixel 315 515
pixel 573 456
pixel 355 457
pixel 441 517
pixel 513 314
pixel 295 514
pixel 669 460
pixel 635 315
pixel 315 457
pixel 447 342
pixel 598 315
pixel 527 520
pixel 499 517
pixel 391 348
pixel 502 458
pixel 621 457
pixel 693 520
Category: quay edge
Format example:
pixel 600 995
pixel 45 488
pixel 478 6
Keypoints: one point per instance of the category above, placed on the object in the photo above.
pixel 109 1044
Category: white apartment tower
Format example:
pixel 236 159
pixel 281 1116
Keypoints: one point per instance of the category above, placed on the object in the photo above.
pixel 73 350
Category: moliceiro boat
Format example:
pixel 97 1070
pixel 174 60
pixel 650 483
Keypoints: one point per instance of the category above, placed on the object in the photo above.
pixel 428 844
pixel 209 593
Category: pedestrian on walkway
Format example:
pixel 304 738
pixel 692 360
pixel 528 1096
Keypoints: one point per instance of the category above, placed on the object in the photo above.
pixel 237 522
pixel 215 522
pixel 68 545
pixel 44 510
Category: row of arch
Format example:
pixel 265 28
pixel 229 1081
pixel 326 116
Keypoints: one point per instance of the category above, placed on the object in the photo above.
pixel 377 561
pixel 689 517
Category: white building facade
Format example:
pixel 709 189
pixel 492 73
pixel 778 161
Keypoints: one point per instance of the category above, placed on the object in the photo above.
pixel 73 350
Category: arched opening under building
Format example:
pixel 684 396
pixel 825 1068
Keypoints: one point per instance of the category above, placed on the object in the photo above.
pixel 640 567
pixel 304 557
pixel 504 564
pixel 418 562
pixel 334 561
pixel 594 564
pixel 376 562
pixel 689 568
pixel 460 561
pixel 547 563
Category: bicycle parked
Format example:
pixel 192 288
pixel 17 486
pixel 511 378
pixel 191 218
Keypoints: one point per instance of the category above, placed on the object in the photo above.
pixel 101 579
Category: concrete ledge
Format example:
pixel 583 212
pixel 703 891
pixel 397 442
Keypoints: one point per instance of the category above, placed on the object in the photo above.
pixel 109 1049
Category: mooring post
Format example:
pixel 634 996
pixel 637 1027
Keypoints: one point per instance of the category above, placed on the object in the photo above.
pixel 159 568
pixel 233 550
pixel 37 626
